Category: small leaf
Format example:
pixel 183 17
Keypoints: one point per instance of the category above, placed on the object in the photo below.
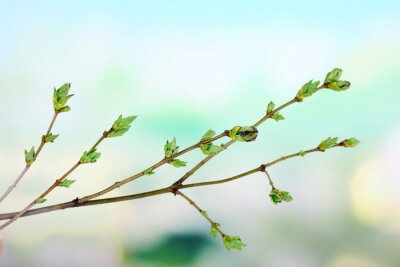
pixel 233 242
pixel 50 138
pixel 214 230
pixel 90 156
pixel 302 153
pixel 177 163
pixel 333 76
pixel 30 156
pixel 339 85
pixel 277 117
pixel 61 97
pixel 40 200
pixel 121 126
pixel 66 183
pixel 351 142
pixel 149 171
pixel 270 107
pixel 327 143
pixel 243 133
pixel 65 109
pixel 170 148
pixel 277 196
pixel 307 90
pixel 204 213
pixel 210 150
pixel 208 135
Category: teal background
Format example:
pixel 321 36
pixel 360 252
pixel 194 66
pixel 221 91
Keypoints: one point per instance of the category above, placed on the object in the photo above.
pixel 185 67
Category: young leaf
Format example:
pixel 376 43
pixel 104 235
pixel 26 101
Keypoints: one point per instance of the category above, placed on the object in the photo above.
pixel 277 117
pixel 270 107
pixel 90 156
pixel 149 171
pixel 208 135
pixel 243 133
pixel 30 156
pixel 177 163
pixel 61 97
pixel 210 150
pixel 50 138
pixel 327 143
pixel 339 85
pixel 352 142
pixel 40 200
pixel 333 76
pixel 307 90
pixel 121 126
pixel 170 148
pixel 214 231
pixel 66 183
pixel 277 196
pixel 233 242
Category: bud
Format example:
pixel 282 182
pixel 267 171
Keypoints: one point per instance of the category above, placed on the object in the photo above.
pixel 351 142
pixel 307 90
pixel 61 97
pixel 339 85
pixel 278 196
pixel 333 76
pixel 243 134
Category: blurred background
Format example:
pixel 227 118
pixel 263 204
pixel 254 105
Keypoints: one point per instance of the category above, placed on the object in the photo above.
pixel 185 67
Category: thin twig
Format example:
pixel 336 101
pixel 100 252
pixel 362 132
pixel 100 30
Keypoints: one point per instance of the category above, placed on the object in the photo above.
pixel 27 166
pixel 75 203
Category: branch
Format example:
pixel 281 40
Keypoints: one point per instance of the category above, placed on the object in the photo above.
pixel 171 189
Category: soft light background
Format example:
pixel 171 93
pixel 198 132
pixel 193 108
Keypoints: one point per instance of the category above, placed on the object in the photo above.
pixel 185 67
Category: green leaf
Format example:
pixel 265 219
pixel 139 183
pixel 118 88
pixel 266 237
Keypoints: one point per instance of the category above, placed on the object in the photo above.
pixel 333 76
pixel 90 156
pixel 177 163
pixel 302 153
pixel 307 90
pixel 66 183
pixel 233 242
pixel 61 97
pixel 40 200
pixel 351 142
pixel 214 230
pixel 277 117
pixel 149 171
pixel 270 107
pixel 121 126
pixel 50 138
pixel 30 156
pixel 170 148
pixel 327 143
pixel 208 135
pixel 243 133
pixel 277 196
pixel 210 150
pixel 339 85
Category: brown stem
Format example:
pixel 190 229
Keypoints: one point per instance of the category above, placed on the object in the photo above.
pixel 75 203
pixel 27 167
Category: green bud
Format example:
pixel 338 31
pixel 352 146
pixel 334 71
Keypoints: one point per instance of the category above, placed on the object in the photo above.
pixel 278 117
pixel 278 196
pixel 243 133
pixel 210 150
pixel 40 200
pixel 351 142
pixel 61 97
pixel 149 171
pixel 214 230
pixel 121 126
pixel 270 107
pixel 302 153
pixel 208 135
pixel 339 85
pixel 66 183
pixel 50 138
pixel 233 242
pixel 90 156
pixel 307 90
pixel 333 76
pixel 30 156
pixel 327 143
pixel 170 148
pixel 177 163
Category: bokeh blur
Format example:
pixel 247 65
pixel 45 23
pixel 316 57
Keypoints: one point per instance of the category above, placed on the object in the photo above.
pixel 185 67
